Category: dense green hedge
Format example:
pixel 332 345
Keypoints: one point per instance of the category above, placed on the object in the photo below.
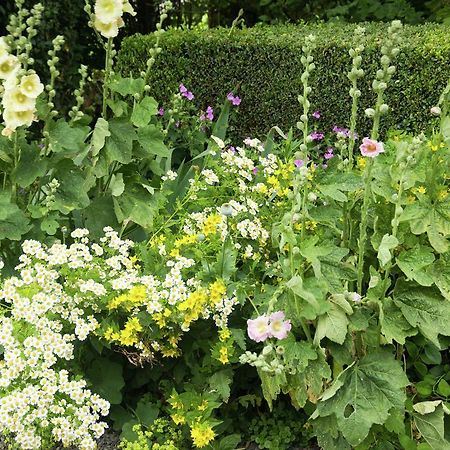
pixel 265 63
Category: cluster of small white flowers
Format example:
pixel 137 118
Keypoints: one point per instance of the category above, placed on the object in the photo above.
pixel 19 92
pixel 108 16
pixel 223 309
pixel 39 329
pixel 238 163
pixel 170 175
pixel 269 164
pixel 253 229
pixel 210 177
pixel 254 143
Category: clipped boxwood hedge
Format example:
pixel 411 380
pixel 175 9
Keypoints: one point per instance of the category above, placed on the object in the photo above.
pixel 264 62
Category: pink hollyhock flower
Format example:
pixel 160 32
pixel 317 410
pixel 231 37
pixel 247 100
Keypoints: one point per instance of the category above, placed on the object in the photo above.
pixel 371 148
pixel 279 327
pixel 258 329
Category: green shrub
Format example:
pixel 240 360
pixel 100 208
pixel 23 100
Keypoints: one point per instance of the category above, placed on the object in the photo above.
pixel 265 63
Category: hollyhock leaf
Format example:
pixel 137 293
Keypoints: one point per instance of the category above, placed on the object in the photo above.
pixel 424 308
pixel 30 167
pixel 119 145
pixel 147 412
pixel 101 132
pixel 66 139
pixel 364 394
pixel 430 423
pixel 107 379
pixel 414 261
pixel 143 111
pixel 393 325
pixel 440 272
pixel 127 86
pixel 388 243
pixel 332 325
pixel 13 222
pixel 151 139
pixel 220 382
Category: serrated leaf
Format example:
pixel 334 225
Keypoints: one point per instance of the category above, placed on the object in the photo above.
pixel 430 423
pixel 220 382
pixel 423 308
pixel 66 139
pixel 388 243
pixel 364 394
pixel 393 325
pixel 119 145
pixel 107 380
pixel 332 325
pixel 147 412
pixel 30 167
pixel 151 139
pixel 440 272
pixel 99 135
pixel 13 222
pixel 414 261
pixel 143 112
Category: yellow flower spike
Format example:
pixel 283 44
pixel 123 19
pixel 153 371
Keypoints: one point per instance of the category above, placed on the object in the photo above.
pixel 217 290
pixel 223 355
pixel 109 334
pixel 224 334
pixel 202 434
pixel 174 253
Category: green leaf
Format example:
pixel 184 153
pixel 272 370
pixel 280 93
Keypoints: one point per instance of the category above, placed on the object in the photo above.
pixel 49 225
pixel 13 222
pixel 127 86
pixel 440 272
pixel 414 261
pixel 443 388
pixel 388 243
pixel 429 420
pixel 423 308
pixel 334 270
pixel 117 185
pixel 101 132
pixel 107 380
pixel 332 325
pixel 66 139
pixel 220 382
pixel 147 412
pixel 229 442
pixel 31 166
pixel 151 139
pixel 364 394
pixel 393 325
pixel 143 111
pixel 119 145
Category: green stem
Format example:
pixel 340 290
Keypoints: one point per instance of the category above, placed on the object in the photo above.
pixel 16 157
pixel 108 66
pixel 363 224
pixel 351 142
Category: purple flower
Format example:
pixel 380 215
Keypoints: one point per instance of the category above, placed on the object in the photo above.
pixel 329 154
pixel 161 111
pixel 202 117
pixel 316 114
pixel 189 95
pixel 235 100
pixel 345 132
pixel 232 149
pixel 279 327
pixel 210 113
pixel 255 171
pixel 185 93
pixel 316 136
pixel 299 162
pixel 183 88
pixel 258 329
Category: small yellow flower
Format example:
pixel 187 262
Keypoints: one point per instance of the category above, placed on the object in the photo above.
pixel 421 190
pixel 361 162
pixel 202 434
pixel 178 419
pixel 224 334
pixel 203 405
pixel 217 290
pixel 273 181
pixel 223 358
pixel 442 195
pixel 109 334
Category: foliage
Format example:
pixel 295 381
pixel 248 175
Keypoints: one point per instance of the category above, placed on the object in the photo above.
pixel 264 62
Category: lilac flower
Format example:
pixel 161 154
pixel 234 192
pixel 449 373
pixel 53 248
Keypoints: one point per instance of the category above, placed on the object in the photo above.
pixel 255 171
pixel 189 95
pixel 258 329
pixel 299 162
pixel 371 148
pixel 345 132
pixel 161 111
pixel 182 88
pixel 316 114
pixel 232 149
pixel 202 117
pixel 329 154
pixel 316 136
pixel 235 100
pixel 210 113
pixel 279 327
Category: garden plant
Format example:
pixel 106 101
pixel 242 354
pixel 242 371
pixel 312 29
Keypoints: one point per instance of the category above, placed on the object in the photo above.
pixel 186 291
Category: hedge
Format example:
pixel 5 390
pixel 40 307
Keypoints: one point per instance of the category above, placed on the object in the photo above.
pixel 264 63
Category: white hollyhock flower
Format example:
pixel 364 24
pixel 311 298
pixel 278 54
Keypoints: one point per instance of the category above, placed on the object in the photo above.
pixel 108 11
pixel 8 66
pixel 107 30
pixel 14 119
pixel 31 86
pixel 15 100
pixel 4 49
pixel 127 8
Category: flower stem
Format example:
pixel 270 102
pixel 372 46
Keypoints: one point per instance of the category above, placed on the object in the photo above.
pixel 363 224
pixel 108 66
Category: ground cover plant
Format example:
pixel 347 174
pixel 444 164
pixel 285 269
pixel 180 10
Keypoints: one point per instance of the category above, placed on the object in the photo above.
pixel 171 282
